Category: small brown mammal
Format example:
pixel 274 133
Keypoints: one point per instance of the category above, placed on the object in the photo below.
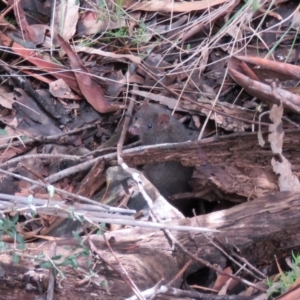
pixel 155 125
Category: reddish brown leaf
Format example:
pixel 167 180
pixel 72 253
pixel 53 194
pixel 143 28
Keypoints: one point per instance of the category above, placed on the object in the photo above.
pixel 21 19
pixel 34 33
pixel 222 280
pixel 40 61
pixel 43 62
pixel 89 88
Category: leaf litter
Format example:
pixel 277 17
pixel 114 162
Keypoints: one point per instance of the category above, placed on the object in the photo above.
pixel 68 72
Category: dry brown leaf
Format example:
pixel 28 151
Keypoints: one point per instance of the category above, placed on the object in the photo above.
pixel 91 22
pixel 20 18
pixel 6 97
pixel 66 18
pixel 223 279
pixel 43 61
pixel 60 89
pixel 287 181
pixel 89 88
pixel 34 33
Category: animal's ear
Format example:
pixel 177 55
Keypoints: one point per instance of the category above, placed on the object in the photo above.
pixel 163 120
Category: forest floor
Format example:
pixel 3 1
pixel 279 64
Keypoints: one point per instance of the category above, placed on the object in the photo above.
pixel 72 75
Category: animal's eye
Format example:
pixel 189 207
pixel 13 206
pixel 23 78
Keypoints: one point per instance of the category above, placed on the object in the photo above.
pixel 149 125
pixel 136 118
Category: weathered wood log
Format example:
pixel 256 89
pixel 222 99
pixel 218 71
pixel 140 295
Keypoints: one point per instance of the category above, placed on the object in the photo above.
pixel 234 166
pixel 260 228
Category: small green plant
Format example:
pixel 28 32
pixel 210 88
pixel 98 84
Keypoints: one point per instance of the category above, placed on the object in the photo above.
pixel 140 34
pixel 59 261
pixel 24 138
pixel 119 10
pixel 286 279
pixel 120 33
pixel 101 3
pixel 10 20
pixel 255 5
pixel 8 227
pixel 87 42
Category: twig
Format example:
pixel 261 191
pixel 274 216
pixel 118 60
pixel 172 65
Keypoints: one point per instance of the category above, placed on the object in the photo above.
pixel 50 290
pixel 209 265
pixel 73 196
pixel 90 214
pixel 181 294
pixel 41 156
pixel 124 131
pixel 261 275
pixel 183 269
pixel 198 104
pixel 123 274
pixel 45 139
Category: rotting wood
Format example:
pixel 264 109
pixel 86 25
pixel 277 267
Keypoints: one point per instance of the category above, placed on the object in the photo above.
pixel 260 228
pixel 235 166
pixel 235 147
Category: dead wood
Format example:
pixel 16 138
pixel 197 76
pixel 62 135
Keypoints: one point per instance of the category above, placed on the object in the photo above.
pixel 260 228
pixel 235 166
